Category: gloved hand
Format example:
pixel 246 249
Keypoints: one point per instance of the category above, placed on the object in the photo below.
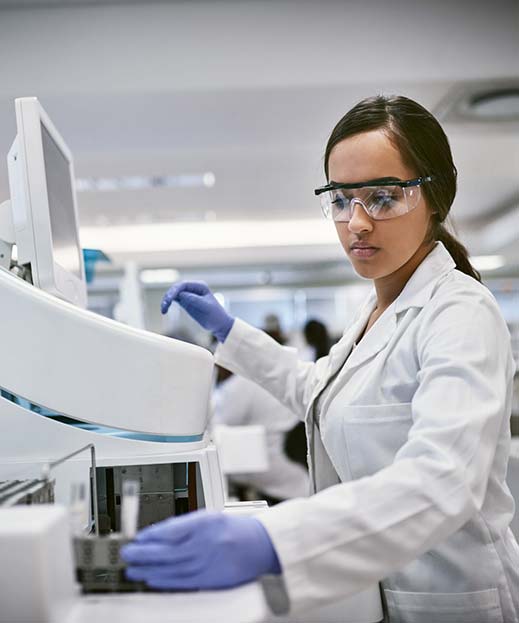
pixel 199 302
pixel 201 550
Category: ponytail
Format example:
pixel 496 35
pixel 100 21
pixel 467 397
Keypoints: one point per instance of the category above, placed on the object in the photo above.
pixel 457 251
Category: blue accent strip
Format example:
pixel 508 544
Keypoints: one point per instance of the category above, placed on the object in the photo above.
pixel 95 428
pixel 126 434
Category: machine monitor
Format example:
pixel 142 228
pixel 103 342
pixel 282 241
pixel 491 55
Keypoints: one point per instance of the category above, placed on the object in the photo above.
pixel 43 203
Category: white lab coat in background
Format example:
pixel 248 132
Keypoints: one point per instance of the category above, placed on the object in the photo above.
pixel 240 402
pixel 409 437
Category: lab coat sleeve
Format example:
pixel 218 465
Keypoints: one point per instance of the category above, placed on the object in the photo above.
pixel 354 534
pixel 256 356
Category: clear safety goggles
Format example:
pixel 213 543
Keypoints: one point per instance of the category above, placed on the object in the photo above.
pixel 381 200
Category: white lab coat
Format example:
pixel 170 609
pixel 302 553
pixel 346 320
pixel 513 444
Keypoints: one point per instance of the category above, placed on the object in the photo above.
pixel 410 460
pixel 240 402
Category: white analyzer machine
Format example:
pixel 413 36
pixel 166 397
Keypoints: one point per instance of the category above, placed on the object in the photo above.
pixel 120 404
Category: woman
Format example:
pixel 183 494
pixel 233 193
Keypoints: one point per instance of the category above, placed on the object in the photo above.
pixel 407 418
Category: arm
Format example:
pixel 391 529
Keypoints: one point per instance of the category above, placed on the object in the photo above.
pixel 253 354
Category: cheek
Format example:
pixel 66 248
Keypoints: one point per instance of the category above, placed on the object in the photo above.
pixel 402 238
pixel 342 232
pixel 419 222
pixel 345 237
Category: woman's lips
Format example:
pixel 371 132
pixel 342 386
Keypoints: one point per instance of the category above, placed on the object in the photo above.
pixel 363 252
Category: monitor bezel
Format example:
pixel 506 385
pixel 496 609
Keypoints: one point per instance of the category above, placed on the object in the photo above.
pixel 30 204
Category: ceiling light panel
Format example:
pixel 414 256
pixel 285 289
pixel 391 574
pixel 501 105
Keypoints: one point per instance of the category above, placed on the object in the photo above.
pixel 481 102
pixel 145 182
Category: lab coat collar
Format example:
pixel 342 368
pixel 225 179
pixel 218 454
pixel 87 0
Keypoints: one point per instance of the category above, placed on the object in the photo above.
pixel 340 356
pixel 418 290
pixel 416 293
pixel 376 338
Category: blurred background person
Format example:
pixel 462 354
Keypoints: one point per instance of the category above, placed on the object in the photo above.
pixel 317 338
pixel 318 344
pixel 272 326
pixel 240 402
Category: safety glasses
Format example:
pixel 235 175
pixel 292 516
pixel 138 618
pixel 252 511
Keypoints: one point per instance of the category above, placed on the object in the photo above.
pixel 381 199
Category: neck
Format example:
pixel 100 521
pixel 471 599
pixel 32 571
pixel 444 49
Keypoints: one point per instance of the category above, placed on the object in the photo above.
pixel 390 286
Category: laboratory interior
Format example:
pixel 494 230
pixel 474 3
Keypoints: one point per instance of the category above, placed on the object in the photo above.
pixel 177 314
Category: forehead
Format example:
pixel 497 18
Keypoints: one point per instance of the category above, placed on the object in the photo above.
pixel 366 156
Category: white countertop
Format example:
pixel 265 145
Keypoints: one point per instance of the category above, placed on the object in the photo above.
pixel 244 604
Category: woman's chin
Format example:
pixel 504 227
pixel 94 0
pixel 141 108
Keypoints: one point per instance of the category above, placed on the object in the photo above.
pixel 365 273
pixel 366 270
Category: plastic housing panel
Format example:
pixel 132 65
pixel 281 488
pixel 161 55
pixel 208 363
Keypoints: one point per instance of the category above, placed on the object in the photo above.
pixel 37 581
pixel 94 369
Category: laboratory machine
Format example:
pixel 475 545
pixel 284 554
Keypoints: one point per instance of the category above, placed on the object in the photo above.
pixel 90 410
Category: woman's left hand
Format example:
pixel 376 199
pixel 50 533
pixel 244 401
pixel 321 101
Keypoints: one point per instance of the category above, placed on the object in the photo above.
pixel 201 550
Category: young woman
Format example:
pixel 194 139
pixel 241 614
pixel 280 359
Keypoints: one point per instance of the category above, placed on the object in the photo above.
pixel 407 418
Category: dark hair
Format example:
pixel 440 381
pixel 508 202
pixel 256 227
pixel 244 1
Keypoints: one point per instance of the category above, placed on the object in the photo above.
pixel 316 334
pixel 272 327
pixel 423 146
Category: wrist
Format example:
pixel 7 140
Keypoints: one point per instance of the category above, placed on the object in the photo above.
pixel 224 329
pixel 269 563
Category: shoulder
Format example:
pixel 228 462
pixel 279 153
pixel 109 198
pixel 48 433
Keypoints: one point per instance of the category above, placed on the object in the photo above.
pixel 456 282
pixel 460 293
pixel 462 309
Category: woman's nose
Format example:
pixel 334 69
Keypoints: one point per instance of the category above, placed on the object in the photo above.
pixel 359 221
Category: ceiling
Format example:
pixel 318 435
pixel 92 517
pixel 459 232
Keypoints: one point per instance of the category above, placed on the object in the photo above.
pixel 250 91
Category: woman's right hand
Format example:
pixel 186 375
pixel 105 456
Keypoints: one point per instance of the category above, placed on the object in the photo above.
pixel 199 302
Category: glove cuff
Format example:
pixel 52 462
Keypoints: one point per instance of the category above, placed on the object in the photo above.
pixel 269 564
pixel 224 329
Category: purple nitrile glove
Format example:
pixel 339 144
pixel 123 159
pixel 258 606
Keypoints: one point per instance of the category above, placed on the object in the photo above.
pixel 201 550
pixel 199 302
